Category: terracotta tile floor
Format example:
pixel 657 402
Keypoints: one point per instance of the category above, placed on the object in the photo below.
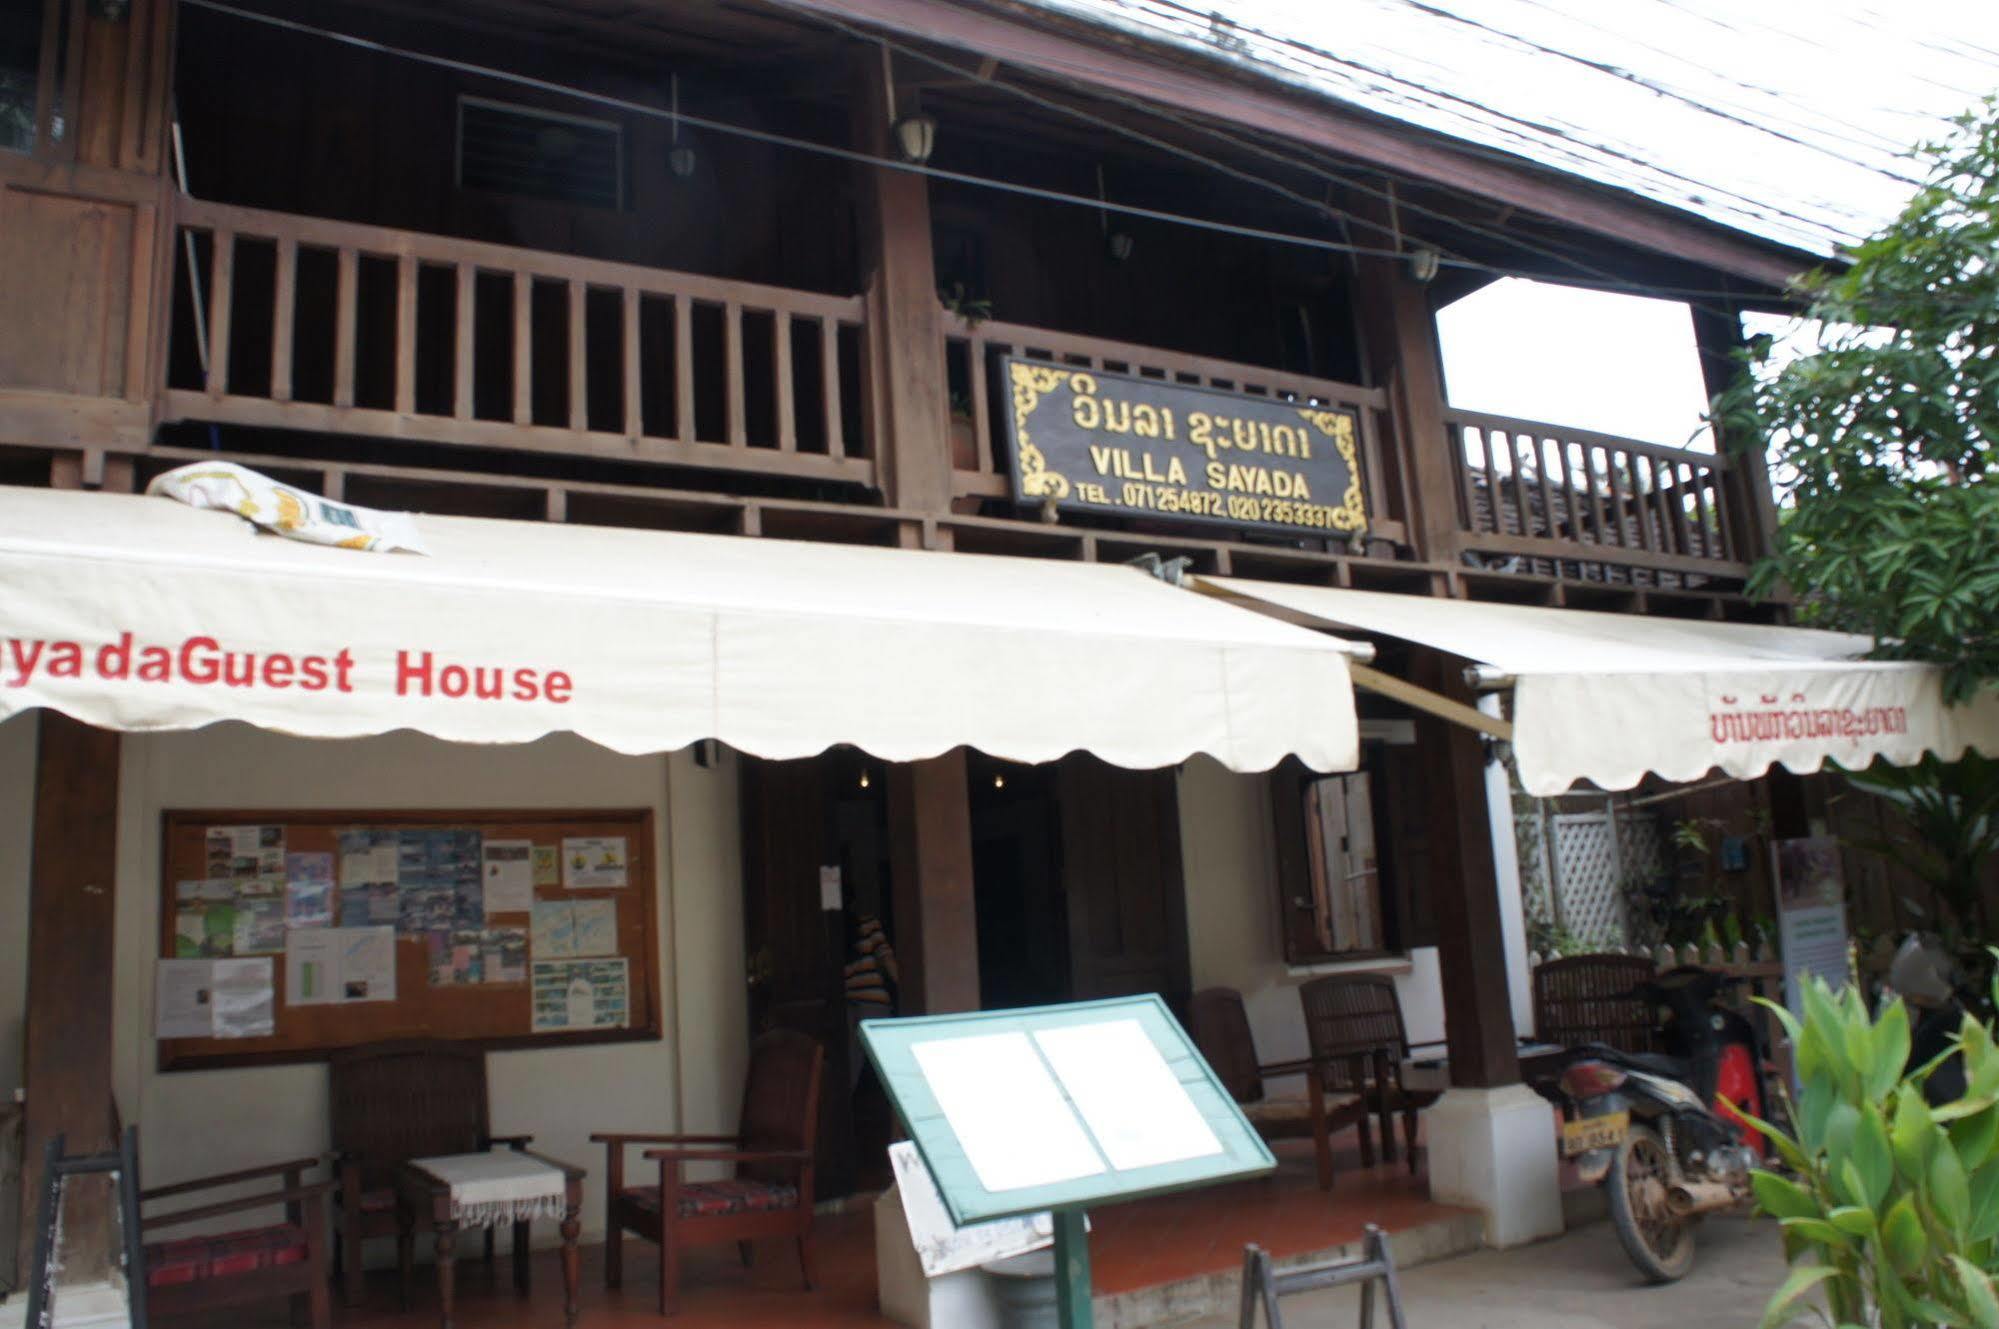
pixel 1132 1246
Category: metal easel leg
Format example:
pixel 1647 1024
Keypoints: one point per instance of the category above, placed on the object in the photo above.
pixel 1072 1271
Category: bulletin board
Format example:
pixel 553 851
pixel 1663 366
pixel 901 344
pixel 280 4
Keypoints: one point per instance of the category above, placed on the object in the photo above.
pixel 287 935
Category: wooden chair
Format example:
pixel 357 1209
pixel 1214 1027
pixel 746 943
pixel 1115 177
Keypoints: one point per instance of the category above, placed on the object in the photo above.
pixel 1353 1024
pixel 205 1274
pixel 770 1194
pixel 393 1102
pixel 1220 1028
pixel 1584 999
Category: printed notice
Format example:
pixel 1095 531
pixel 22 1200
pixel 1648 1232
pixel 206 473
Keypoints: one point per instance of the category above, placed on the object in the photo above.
pixel 547 865
pixel 181 1003
pixel 1129 1097
pixel 331 966
pixel 590 862
pixel 596 928
pixel 571 995
pixel 1006 1110
pixel 368 963
pixel 553 936
pixel 941 1245
pixel 509 876
pixel 312 966
pixel 308 890
pixel 244 998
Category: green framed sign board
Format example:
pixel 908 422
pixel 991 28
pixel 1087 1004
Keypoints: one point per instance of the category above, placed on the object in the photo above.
pixel 1061 1108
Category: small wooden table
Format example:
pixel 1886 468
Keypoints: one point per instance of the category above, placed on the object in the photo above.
pixel 423 1198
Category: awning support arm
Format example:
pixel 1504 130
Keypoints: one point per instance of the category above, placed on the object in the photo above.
pixel 1433 703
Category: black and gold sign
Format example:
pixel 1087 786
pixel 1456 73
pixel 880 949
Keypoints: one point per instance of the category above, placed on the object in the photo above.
pixel 1096 442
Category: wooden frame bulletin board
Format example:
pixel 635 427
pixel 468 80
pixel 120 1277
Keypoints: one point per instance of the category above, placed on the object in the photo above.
pixel 496 1009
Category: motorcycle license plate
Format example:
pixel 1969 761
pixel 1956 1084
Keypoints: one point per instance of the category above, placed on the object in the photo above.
pixel 1607 1132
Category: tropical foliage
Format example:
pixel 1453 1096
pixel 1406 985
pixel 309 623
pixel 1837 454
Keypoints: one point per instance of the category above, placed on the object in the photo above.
pixel 1886 439
pixel 1891 1211
pixel 1950 833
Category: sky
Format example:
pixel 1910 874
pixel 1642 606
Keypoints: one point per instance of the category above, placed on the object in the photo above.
pixel 1790 119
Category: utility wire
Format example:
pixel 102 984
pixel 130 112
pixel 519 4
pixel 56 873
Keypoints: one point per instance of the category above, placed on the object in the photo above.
pixel 959 177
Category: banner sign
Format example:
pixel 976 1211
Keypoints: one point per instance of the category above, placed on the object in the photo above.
pixel 1811 915
pixel 1142 447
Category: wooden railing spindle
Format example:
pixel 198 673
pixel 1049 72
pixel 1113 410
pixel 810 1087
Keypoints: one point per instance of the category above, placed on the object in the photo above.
pixel 345 295
pixel 683 369
pixel 787 391
pixel 406 334
pixel 732 374
pixel 463 320
pixel 628 344
pixel 523 348
pixel 579 358
pixel 829 386
pixel 284 317
pixel 221 297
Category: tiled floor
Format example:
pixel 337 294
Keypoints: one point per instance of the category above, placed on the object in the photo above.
pixel 1132 1246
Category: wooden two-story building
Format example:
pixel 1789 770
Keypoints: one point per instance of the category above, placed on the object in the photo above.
pixel 797 272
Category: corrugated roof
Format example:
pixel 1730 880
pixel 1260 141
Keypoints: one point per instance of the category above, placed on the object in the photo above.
pixel 1789 120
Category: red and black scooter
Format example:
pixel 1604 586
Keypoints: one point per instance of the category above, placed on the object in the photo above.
pixel 1661 1132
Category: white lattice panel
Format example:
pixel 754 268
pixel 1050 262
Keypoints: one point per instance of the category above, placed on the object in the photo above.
pixel 1593 865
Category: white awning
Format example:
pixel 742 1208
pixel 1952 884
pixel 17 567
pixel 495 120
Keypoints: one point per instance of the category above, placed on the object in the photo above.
pixel 1609 697
pixel 140 614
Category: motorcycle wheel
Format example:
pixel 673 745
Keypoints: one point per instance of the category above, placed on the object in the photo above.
pixel 1660 1243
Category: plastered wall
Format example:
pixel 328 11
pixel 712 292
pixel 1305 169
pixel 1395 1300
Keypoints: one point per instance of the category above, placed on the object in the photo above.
pixel 1232 914
pixel 199 1122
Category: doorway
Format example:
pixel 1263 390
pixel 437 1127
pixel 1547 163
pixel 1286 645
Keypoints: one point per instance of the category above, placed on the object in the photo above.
pixel 1077 882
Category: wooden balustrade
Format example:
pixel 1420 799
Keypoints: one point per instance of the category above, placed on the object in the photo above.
pixel 289 322
pixel 1569 496
pixel 973 349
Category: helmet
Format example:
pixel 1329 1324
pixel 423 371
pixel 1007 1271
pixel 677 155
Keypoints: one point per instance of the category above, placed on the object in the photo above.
pixel 1922 970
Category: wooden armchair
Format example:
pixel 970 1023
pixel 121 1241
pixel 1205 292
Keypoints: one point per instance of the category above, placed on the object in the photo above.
pixel 201 1275
pixel 1221 1032
pixel 1353 1023
pixel 1586 999
pixel 770 1194
pixel 393 1102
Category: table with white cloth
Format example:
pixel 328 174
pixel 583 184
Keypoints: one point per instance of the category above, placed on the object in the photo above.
pixel 456 1191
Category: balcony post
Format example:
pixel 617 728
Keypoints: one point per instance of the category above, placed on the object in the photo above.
pixel 1747 475
pixel 1399 332
pixel 908 388
pixel 67 1034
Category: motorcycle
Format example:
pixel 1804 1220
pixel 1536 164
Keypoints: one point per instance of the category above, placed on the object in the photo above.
pixel 1664 1133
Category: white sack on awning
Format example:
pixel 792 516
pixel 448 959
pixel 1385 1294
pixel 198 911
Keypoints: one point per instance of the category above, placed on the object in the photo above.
pixel 1608 697
pixel 138 614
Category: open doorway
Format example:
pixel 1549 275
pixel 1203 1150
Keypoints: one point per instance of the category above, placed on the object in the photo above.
pixel 1018 891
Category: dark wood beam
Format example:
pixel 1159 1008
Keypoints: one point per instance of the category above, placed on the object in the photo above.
pixel 1102 58
pixel 1464 886
pixel 905 328
pixel 1399 333
pixel 930 872
pixel 71 962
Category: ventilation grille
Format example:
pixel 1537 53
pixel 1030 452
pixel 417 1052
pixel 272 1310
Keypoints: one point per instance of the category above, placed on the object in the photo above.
pixel 537 154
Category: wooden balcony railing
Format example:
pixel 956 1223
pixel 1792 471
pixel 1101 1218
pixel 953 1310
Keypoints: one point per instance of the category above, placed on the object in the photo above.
pixel 286 322
pixel 1568 502
pixel 973 350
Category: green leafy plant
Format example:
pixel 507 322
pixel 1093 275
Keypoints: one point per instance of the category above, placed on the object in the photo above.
pixel 1891 1211
pixel 1952 831
pixel 973 309
pixel 1885 440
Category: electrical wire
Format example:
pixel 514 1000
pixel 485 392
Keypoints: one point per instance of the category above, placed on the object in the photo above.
pixel 957 177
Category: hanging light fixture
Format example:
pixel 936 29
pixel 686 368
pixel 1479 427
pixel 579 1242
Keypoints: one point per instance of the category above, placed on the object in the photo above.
pixel 864 777
pixel 1424 263
pixel 1118 244
pixel 999 779
pixel 679 157
pixel 916 135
